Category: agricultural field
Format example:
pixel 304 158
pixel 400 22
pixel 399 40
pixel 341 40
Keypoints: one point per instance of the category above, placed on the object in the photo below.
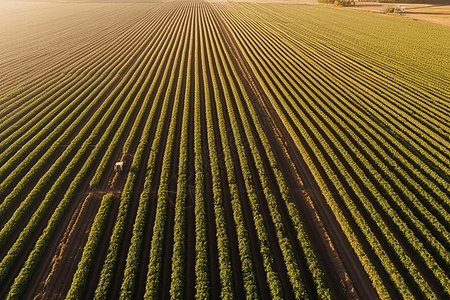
pixel 270 151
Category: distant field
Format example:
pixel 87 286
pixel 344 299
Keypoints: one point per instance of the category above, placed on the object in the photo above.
pixel 270 151
pixel 279 1
pixel 431 13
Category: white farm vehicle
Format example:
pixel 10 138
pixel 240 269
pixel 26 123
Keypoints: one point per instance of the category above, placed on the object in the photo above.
pixel 118 167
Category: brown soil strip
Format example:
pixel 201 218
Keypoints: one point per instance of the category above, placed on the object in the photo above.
pixel 58 276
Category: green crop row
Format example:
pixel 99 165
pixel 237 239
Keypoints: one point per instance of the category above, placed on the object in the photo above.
pixel 60 182
pixel 223 248
pixel 431 219
pixel 403 94
pixel 37 91
pixel 371 127
pixel 272 279
pixel 132 84
pixel 177 53
pixel 152 51
pixel 402 226
pixel 107 104
pixel 29 228
pixel 285 82
pixel 350 111
pixel 344 224
pixel 202 284
pixel 251 53
pixel 40 246
pixel 119 226
pixel 285 246
pixel 96 91
pixel 247 265
pixel 179 229
pixel 422 122
pixel 78 62
pixel 411 184
pixel 294 273
pixel 371 154
pixel 418 61
pixel 101 75
pixel 90 250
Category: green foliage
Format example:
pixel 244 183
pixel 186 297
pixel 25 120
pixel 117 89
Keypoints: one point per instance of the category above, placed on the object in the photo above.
pixel 248 274
pixel 225 271
pixel 156 251
pixel 201 241
pixel 297 98
pixel 113 249
pixel 94 126
pixel 179 234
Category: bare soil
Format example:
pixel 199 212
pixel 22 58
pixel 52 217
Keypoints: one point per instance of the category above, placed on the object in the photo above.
pixel 62 267
pixel 429 13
